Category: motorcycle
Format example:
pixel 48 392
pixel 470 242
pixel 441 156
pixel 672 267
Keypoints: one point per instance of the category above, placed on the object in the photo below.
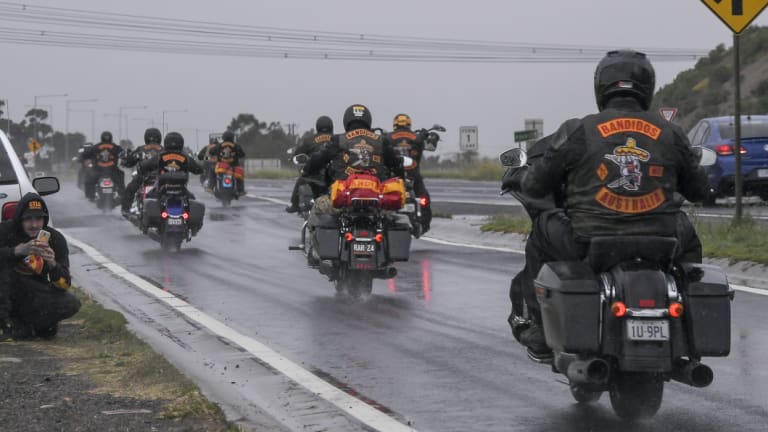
pixel 414 204
pixel 137 208
pixel 172 218
pixel 225 189
pixel 629 317
pixel 361 239
pixel 107 197
pixel 311 188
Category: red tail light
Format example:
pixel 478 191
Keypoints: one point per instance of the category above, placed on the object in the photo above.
pixel 349 237
pixel 185 215
pixel 379 238
pixel 650 303
pixel 107 183
pixel 227 181
pixel 727 150
pixel 619 309
pixel 423 201
pixel 164 215
pixel 9 209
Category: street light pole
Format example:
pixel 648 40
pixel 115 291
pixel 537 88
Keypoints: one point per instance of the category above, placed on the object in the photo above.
pixel 35 107
pixel 66 123
pixel 170 111
pixel 120 120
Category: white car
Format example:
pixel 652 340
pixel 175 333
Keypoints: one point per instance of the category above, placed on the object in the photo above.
pixel 14 181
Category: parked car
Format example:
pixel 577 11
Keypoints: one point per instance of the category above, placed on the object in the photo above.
pixel 718 133
pixel 14 181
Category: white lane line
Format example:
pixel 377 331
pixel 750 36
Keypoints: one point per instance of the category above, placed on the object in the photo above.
pixel 725 216
pixel 743 288
pixel 472 246
pixel 358 409
pixel 268 199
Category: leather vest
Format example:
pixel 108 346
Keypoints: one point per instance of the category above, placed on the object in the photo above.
pixel 626 181
pixel 404 144
pixel 361 149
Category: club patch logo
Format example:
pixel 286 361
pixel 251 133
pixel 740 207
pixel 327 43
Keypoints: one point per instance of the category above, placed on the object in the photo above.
pixel 35 205
pixel 629 158
pixel 358 110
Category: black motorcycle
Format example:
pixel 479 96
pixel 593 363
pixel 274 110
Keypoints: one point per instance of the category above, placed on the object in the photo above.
pixel 355 244
pixel 173 217
pixel 627 318
pixel 107 196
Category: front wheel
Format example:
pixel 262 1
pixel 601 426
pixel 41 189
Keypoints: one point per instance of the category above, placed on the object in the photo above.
pixel 636 395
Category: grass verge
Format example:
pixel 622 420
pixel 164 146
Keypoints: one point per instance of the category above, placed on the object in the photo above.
pixel 487 170
pixel 118 363
pixel 441 214
pixel 743 242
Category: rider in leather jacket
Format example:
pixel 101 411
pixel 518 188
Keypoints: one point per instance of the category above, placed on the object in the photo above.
pixel 407 143
pixel 105 156
pixel 152 146
pixel 230 153
pixel 622 171
pixel 323 136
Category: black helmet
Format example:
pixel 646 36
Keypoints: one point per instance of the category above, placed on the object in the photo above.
pixel 213 140
pixel 228 136
pixel 152 136
pixel 324 124
pixel 357 116
pixel 106 137
pixel 401 121
pixel 173 142
pixel 624 72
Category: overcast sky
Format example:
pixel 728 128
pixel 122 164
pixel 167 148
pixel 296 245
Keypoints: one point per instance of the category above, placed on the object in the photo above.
pixel 495 97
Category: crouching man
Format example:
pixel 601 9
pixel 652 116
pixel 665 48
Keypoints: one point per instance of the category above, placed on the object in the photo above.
pixel 34 274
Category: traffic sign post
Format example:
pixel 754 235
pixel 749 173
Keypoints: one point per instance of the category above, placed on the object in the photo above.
pixel 526 135
pixel 468 139
pixel 34 146
pixel 737 15
pixel 668 113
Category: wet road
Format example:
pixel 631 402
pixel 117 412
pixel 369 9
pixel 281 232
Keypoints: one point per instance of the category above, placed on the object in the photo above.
pixel 432 346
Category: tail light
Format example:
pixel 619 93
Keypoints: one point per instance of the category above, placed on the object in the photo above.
pixel 727 150
pixel 349 237
pixel 227 181
pixel 185 215
pixel 619 309
pixel 423 201
pixel 164 214
pixel 107 183
pixel 9 209
pixel 675 310
pixel 379 238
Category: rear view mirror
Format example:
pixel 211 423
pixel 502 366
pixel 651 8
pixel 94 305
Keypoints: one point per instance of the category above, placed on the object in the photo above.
pixel 438 128
pixel 46 185
pixel 407 162
pixel 707 157
pixel 514 158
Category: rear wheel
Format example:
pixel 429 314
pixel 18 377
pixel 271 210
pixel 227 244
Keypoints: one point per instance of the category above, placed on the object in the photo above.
pixel 636 395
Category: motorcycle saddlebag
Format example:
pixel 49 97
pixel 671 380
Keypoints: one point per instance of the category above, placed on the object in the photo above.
pixel 196 214
pixel 327 235
pixel 707 303
pixel 152 212
pixel 399 241
pixel 569 296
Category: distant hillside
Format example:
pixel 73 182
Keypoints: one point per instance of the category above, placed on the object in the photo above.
pixel 707 89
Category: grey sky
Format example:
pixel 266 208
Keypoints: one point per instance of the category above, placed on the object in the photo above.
pixel 496 97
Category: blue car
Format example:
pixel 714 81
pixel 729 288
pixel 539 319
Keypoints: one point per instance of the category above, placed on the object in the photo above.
pixel 717 133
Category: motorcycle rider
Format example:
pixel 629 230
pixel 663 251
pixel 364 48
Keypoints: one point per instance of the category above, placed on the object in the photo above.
pixel 622 171
pixel 359 148
pixel 230 154
pixel 152 146
pixel 208 156
pixel 407 143
pixel 171 159
pixel 105 156
pixel 309 146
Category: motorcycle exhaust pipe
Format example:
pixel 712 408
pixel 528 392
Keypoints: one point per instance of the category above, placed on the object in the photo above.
pixel 387 273
pixel 593 371
pixel 692 373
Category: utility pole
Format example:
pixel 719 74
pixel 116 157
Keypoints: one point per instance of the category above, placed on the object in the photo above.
pixel 737 123
pixel 120 120
pixel 165 126
pixel 51 113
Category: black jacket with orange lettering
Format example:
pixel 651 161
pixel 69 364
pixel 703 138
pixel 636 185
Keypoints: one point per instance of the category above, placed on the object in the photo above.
pixel 170 161
pixel 317 143
pixel 625 172
pixel 229 152
pixel 407 143
pixel 354 151
pixel 104 155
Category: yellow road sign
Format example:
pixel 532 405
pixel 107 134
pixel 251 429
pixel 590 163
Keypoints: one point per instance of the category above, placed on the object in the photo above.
pixel 736 14
pixel 34 146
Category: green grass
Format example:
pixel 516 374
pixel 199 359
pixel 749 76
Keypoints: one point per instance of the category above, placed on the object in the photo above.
pixel 507 224
pixel 441 214
pixel 273 174
pixel 486 170
pixel 745 242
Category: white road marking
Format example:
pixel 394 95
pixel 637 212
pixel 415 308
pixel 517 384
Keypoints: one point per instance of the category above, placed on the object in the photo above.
pixel 268 199
pixel 358 409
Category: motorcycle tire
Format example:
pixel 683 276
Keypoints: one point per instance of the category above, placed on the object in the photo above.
pixel 584 396
pixel 636 395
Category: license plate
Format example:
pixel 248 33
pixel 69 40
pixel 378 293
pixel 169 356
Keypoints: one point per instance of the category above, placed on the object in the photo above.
pixel 364 248
pixel 409 208
pixel 175 221
pixel 648 330
pixel 762 173
pixel 107 190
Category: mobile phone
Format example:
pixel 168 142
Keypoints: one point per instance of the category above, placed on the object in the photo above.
pixel 43 236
